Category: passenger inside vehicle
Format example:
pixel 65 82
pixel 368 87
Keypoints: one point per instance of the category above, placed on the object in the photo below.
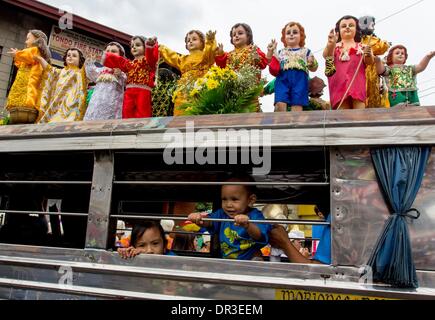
pixel 147 237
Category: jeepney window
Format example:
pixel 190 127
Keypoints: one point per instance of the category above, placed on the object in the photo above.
pixel 45 198
pixel 145 186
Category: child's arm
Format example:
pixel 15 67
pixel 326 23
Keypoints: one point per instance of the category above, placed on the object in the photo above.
pixel 113 61
pixel 332 42
pixel 210 48
pixel 313 65
pixel 42 61
pixel 170 57
pixel 380 67
pixel 197 219
pixel 368 56
pixel 424 63
pixel 264 62
pixel 152 52
pixel 26 56
pixel 221 56
pixel 252 229
pixel 279 239
pixel 271 49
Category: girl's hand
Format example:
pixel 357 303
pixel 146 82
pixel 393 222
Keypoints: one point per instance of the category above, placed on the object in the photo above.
pixel 13 52
pixel 220 49
pixel 211 35
pixel 431 54
pixel 242 221
pixel 126 253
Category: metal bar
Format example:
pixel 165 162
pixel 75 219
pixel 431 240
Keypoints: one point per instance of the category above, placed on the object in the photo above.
pixel 231 279
pixel 71 214
pixel 288 222
pixel 97 234
pixel 47 182
pixel 87 291
pixel 203 183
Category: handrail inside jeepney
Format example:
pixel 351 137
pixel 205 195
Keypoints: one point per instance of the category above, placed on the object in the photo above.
pixel 46 213
pixel 180 218
pixel 44 182
pixel 214 183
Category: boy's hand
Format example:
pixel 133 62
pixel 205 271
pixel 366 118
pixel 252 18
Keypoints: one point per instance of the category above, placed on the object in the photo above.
pixel 211 35
pixel 195 218
pixel 220 49
pixel 431 54
pixel 13 52
pixel 368 52
pixel 272 46
pixel 332 38
pixel 242 221
pixel 151 42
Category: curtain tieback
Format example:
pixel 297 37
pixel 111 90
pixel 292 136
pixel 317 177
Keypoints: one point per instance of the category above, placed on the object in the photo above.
pixel 408 214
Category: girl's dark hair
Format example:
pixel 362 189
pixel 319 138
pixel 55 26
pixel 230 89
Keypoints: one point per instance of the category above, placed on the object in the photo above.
pixel 391 52
pixel 248 32
pixel 82 58
pixel 119 46
pixel 243 177
pixel 358 35
pixel 200 35
pixel 139 230
pixel 41 43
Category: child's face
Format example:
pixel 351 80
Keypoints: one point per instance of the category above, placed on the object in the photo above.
pixel 194 42
pixel 399 56
pixel 240 37
pixel 137 48
pixel 73 58
pixel 113 49
pixel 150 242
pixel 30 39
pixel 293 36
pixel 348 29
pixel 236 200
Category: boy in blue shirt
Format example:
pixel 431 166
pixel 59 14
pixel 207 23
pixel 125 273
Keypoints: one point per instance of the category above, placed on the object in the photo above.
pixel 241 239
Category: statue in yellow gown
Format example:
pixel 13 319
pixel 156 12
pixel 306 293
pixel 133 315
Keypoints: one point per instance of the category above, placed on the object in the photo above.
pixel 376 97
pixel 63 97
pixel 25 91
pixel 202 52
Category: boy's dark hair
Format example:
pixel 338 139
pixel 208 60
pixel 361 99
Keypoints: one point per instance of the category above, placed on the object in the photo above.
pixel 82 58
pixel 243 177
pixel 140 228
pixel 200 35
pixel 248 32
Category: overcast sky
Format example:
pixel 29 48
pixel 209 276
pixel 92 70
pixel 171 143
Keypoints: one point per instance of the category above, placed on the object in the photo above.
pixel 169 20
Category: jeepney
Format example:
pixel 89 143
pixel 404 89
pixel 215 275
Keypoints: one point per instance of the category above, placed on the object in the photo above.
pixel 110 170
